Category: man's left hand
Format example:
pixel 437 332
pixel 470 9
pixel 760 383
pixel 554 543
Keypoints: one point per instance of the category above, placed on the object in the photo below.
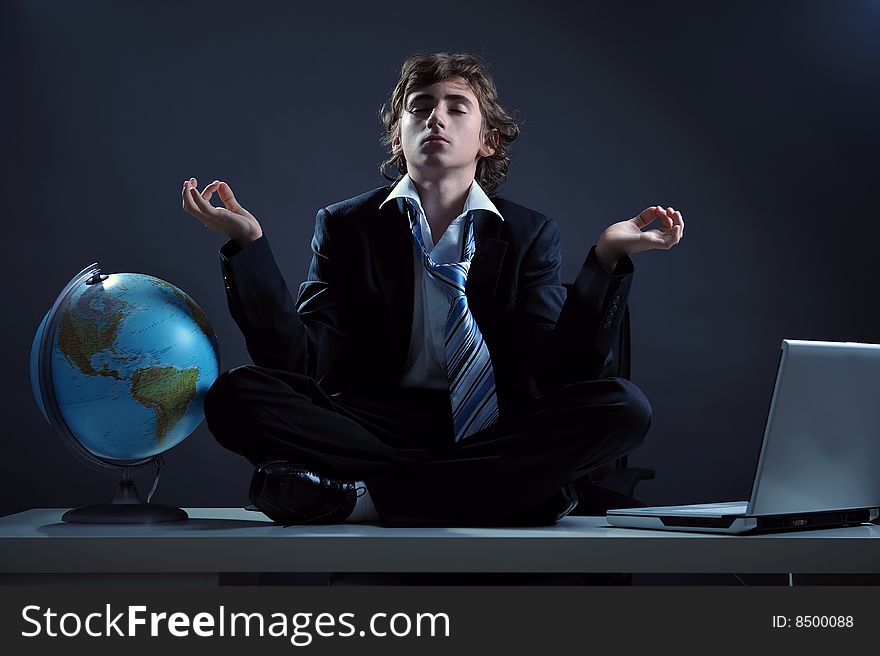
pixel 627 237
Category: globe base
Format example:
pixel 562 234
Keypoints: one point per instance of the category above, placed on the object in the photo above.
pixel 130 513
pixel 127 507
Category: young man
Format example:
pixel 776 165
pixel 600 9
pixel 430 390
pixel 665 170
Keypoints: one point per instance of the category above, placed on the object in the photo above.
pixel 433 370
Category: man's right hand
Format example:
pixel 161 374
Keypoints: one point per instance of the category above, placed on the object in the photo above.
pixel 234 221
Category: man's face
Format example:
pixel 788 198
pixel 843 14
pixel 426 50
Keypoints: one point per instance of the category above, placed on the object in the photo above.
pixel 449 112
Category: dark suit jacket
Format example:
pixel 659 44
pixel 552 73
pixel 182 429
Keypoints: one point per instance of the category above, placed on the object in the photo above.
pixel 351 324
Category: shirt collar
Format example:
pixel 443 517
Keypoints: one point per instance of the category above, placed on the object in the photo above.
pixel 476 198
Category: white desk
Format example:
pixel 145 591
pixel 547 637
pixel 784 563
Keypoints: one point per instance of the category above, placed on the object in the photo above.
pixel 37 547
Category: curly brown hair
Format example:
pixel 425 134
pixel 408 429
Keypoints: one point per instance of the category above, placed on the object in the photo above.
pixel 424 69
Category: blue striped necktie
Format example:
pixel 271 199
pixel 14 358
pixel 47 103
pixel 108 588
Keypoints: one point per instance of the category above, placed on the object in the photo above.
pixel 468 365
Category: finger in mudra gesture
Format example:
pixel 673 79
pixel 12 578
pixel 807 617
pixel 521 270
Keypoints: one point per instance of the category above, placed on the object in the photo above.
pixel 232 220
pixel 628 237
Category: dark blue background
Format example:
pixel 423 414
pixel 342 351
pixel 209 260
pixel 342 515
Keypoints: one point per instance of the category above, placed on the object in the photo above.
pixel 757 120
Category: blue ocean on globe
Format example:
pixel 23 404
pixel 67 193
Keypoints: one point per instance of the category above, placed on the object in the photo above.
pixel 131 361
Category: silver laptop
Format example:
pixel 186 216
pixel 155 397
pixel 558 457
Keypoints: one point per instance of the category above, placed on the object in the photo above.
pixel 820 461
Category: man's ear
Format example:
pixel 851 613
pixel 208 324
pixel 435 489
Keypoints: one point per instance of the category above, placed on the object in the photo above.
pixel 395 146
pixel 490 143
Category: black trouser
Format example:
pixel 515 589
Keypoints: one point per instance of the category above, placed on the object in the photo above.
pixel 402 446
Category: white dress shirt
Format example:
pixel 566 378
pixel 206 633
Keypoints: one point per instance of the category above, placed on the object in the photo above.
pixel 426 361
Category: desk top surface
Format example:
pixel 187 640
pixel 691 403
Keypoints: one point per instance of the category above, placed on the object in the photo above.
pixel 213 523
pixel 238 540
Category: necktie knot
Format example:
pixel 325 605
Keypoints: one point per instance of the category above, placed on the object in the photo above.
pixel 452 276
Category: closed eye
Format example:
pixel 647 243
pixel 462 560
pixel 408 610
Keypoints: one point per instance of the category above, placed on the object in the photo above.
pixel 425 109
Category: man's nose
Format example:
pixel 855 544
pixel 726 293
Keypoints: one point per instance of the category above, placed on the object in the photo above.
pixel 436 118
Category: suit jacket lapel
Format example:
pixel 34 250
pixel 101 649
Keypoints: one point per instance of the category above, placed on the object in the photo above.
pixel 391 245
pixel 482 279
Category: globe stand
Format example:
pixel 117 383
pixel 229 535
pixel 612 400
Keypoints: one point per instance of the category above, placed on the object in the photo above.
pixel 126 507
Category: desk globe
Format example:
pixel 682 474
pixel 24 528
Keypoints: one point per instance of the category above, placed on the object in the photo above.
pixel 120 366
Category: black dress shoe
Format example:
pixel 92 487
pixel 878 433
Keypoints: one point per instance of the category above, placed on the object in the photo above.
pixel 289 494
pixel 551 511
